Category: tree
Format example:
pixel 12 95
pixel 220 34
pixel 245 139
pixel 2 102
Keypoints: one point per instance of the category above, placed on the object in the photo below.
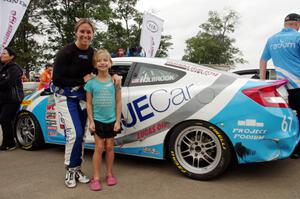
pixel 212 45
pixel 164 46
pixel 48 25
pixel 24 41
pixel 124 29
pixel 61 15
pixel 123 26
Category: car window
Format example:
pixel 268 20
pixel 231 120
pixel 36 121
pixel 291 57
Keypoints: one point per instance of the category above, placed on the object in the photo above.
pixel 251 76
pixel 147 74
pixel 254 73
pixel 121 70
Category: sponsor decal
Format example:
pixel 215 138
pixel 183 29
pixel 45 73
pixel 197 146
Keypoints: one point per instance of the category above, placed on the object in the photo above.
pixel 193 68
pixel 159 101
pixel 61 121
pixel 162 78
pixel 254 131
pixel 62 126
pixel 50 117
pixel 51 107
pixel 151 150
pixel 51 128
pixel 150 130
pixel 50 122
pixel 68 135
pixel 250 122
pixel 52 133
pixel 83 56
pixel 26 102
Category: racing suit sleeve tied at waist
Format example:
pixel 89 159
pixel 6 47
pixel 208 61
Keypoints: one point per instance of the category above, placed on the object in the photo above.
pixel 72 92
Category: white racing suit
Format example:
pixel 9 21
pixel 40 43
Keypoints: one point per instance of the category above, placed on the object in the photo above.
pixel 71 120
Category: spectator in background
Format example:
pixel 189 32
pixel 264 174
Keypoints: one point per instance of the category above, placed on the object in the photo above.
pixel 24 78
pixel 46 76
pixel 120 52
pixel 284 50
pixel 136 52
pixel 11 96
pixel 37 77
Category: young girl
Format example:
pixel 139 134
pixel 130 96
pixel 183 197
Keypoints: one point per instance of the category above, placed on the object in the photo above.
pixel 104 114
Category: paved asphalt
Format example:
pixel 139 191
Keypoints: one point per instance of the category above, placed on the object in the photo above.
pixel 40 175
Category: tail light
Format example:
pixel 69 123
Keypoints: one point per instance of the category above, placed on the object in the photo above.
pixel 273 95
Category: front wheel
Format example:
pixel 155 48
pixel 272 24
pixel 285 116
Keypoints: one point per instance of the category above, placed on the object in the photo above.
pixel 200 150
pixel 28 132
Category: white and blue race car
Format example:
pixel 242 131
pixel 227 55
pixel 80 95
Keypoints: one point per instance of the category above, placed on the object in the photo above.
pixel 201 118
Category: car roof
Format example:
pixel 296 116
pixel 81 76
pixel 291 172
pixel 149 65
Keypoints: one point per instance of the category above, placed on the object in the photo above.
pixel 167 62
pixel 249 68
pixel 159 61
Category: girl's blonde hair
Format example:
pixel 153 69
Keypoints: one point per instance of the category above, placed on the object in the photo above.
pixel 83 21
pixel 99 52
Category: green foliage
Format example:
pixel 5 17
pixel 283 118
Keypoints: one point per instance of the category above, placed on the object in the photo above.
pixel 61 16
pixel 165 44
pixel 52 24
pixel 212 45
pixel 123 27
pixel 24 43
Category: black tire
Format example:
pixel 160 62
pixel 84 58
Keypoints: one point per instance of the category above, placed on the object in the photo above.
pixel 200 150
pixel 28 132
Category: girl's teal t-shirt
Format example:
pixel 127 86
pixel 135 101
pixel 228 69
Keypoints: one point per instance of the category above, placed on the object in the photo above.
pixel 104 101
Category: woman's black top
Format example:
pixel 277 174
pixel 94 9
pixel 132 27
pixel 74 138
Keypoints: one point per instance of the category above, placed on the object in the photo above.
pixel 71 65
pixel 11 86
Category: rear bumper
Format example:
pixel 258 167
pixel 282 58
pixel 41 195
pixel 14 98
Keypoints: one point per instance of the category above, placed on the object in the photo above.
pixel 263 135
pixel 266 149
pixel 277 139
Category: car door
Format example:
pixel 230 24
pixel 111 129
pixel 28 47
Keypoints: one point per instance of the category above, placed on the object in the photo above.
pixel 148 98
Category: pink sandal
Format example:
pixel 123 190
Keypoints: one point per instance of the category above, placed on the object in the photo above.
pixel 95 185
pixel 111 180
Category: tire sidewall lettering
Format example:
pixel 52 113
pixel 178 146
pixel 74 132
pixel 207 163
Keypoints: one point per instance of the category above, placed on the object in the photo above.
pixel 173 156
pixel 219 136
pixel 24 113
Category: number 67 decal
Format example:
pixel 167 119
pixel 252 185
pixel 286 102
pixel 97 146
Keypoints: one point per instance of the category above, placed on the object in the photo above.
pixel 286 123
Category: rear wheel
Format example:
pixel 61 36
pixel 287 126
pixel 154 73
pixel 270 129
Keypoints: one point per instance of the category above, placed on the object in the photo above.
pixel 200 150
pixel 28 132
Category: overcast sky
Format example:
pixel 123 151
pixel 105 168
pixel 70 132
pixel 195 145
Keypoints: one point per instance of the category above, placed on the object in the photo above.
pixel 259 19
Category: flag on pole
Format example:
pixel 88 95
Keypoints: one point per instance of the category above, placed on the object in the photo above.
pixel 11 14
pixel 152 28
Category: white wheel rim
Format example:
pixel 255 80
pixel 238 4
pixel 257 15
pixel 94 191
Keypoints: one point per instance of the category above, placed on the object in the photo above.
pixel 198 150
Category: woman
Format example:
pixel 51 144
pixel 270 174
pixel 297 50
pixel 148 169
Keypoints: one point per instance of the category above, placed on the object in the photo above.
pixel 11 95
pixel 72 69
